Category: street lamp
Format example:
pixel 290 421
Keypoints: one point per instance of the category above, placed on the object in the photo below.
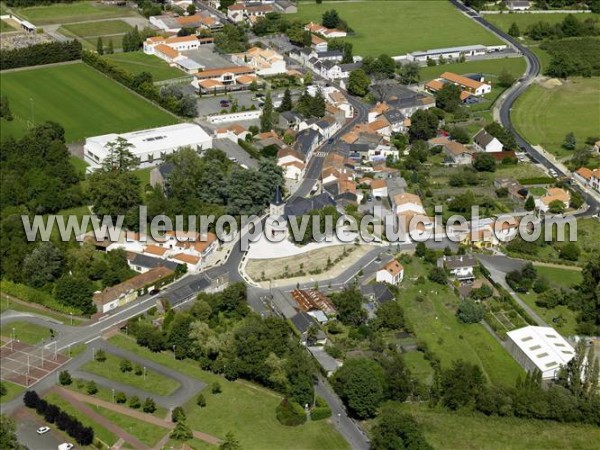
pixel 113 395
pixel 71 314
pixel 144 373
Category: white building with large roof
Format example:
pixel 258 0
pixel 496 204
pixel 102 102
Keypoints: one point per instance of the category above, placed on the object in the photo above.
pixel 151 146
pixel 540 348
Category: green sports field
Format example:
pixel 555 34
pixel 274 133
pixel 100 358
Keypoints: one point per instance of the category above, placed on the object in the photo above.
pixel 136 62
pixel 396 28
pixel 89 32
pixel 72 12
pixel 544 115
pixel 85 102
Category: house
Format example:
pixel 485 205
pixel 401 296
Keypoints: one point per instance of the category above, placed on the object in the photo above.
pixel 406 202
pixel 597 146
pixel 150 146
pixel 289 119
pixel 313 300
pixel 552 195
pixel 177 43
pixel 127 291
pixel 285 6
pixel 406 101
pixel 391 273
pixel 379 188
pixel 467 84
pixel 324 31
pixel 327 126
pixel 292 163
pixel 333 70
pixel 458 154
pixel 485 142
pixel 460 266
pixel 307 141
pixel 232 132
pixel 202 20
pixel 539 348
pixel 265 62
pixel 518 5
pixel 588 177
pixel 377 292
pixel 318 44
pixel 239 12
pixel 515 189
pixel 299 206
pixel 336 99
pixel 143 263
pixel 214 80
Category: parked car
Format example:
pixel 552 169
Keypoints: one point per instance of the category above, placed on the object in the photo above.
pixel 65 446
pixel 42 430
pixel 224 103
pixel 154 291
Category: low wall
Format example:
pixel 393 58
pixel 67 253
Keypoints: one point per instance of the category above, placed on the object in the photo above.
pixel 234 117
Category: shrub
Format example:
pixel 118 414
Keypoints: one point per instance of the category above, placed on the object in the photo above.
pixel 469 312
pixel 216 388
pixel 149 405
pixel 290 413
pixel 32 295
pixel 120 397
pixel 125 366
pixel 201 401
pixel 64 378
pixel 320 413
pixel 138 370
pixel 178 414
pixel 91 388
pixel 134 402
pixel 100 356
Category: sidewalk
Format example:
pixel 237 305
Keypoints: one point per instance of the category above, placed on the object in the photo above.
pixel 144 417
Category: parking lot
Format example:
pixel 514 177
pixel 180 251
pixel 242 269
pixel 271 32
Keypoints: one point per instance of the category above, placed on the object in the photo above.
pixel 210 104
pixel 26 433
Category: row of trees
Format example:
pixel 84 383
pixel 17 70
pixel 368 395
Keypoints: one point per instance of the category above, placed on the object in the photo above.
pixel 570 26
pixel 53 414
pixel 571 57
pixel 170 97
pixel 40 54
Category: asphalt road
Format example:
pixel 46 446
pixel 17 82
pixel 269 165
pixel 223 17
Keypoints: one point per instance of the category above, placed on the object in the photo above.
pixel 512 94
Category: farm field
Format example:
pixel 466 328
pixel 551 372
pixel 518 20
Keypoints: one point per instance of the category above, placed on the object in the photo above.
pixel 242 407
pixel 26 332
pixel 455 430
pixel 88 33
pixel 136 62
pixel 523 21
pixel 544 115
pixel 433 321
pixel 493 67
pixel 72 12
pixel 396 28
pixel 82 100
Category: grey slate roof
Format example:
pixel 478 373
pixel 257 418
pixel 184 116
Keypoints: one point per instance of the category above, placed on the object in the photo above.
pixel 378 292
pixel 483 138
pixel 148 262
pixel 306 139
pixel 302 322
pixel 394 116
pixel 459 261
pixel 300 206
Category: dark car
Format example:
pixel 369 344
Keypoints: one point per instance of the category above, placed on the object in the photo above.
pixel 224 102
pixel 330 141
pixel 154 291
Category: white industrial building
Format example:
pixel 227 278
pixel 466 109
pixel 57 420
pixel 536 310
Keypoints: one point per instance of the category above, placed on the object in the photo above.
pixel 151 146
pixel 540 348
pixel 454 52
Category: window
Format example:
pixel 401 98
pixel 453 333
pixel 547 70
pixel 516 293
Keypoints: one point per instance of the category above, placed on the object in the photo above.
pixel 542 355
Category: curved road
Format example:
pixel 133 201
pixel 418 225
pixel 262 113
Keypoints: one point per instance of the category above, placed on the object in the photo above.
pixel 511 95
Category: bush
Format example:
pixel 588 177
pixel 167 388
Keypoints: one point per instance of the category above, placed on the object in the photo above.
pixel 40 54
pixel 32 295
pixel 201 401
pixel 290 413
pixel 438 275
pixel 216 388
pixel 120 397
pixel 469 312
pixel 320 413
pixel 134 402
pixel 125 366
pixel 178 414
pixel 138 370
pixel 100 356
pixel 149 405
pixel 64 378
pixel 91 388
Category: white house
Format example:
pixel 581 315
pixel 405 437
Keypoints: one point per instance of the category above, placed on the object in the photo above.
pixel 151 146
pixel 324 31
pixel 540 348
pixel 232 132
pixel 553 194
pixel 379 188
pixel 265 61
pixel 460 266
pixel 518 5
pixel 485 142
pixel 391 273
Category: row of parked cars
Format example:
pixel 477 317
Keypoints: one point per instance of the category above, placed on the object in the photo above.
pixel 63 446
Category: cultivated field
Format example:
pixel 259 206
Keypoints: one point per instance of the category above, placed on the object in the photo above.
pixel 88 33
pixel 82 100
pixel 72 12
pixel 136 62
pixel 523 21
pixel 544 115
pixel 454 430
pixel 396 28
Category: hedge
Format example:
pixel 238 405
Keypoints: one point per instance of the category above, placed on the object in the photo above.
pixel 320 413
pixel 32 295
pixel 536 180
pixel 290 413
pixel 253 152
pixel 39 54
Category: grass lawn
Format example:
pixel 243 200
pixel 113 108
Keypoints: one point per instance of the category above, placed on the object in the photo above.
pixel 146 433
pixel 72 12
pixel 419 366
pixel 524 21
pixel 4 27
pixel 136 62
pixel 243 408
pixel 520 171
pixel 545 115
pixel 396 28
pixel 12 390
pixel 452 430
pixel 26 332
pixel 100 432
pixel 85 102
pixel 433 321
pixel 88 33
pixel 154 383
pixel 7 304
pixel 493 67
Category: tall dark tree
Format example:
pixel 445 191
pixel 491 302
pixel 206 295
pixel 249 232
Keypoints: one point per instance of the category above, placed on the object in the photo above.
pixel 360 383
pixel 448 98
pixel 266 118
pixel 424 125
pixel 286 101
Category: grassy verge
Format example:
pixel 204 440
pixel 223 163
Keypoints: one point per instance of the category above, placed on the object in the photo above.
pixel 72 12
pixel 243 408
pixel 154 382
pixel 136 62
pixel 26 332
pixel 450 430
pixel 6 303
pixel 12 391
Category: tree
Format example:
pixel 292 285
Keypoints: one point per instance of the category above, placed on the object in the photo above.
pixel 111 49
pixel 424 125
pixel 191 9
pixel 120 397
pixel 178 414
pixel 459 134
pixel 448 98
pixel 469 311
pixel 286 101
pixel 570 141
pixel 125 366
pixel 149 405
pixel 556 207
pixel 100 46
pixel 506 79
pixel 461 384
pixel 134 402
pixel 484 162
pixel 570 251
pixel 201 401
pixel 360 384
pixel 358 83
pixel 349 306
pixel 3 389
pixel 75 291
pixel 91 387
pixel 182 432
pixel 395 430
pixel 330 19
pixel 420 249
pixel 31 399
pixel 215 388
pixel 8 434
pixel 438 275
pixel 64 378
pixel 410 73
pixel 230 443
pixel 390 315
pixel 514 30
pixel 43 265
pixel 119 157
pixel 530 203
pixel 266 118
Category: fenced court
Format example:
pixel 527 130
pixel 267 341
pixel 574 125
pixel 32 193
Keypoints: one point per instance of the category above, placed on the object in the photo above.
pixel 26 364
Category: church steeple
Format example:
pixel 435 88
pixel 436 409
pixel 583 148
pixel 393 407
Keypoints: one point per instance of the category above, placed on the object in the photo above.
pixel 277 199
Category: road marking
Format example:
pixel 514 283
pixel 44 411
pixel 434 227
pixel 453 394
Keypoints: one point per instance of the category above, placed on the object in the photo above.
pixel 91 340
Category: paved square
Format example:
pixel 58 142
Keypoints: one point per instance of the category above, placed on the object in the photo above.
pixel 26 364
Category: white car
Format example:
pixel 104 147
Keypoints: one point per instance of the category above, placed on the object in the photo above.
pixel 65 446
pixel 42 430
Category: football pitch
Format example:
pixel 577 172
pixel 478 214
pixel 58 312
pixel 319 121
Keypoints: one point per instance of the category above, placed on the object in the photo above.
pixel 85 102
pixel 399 27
